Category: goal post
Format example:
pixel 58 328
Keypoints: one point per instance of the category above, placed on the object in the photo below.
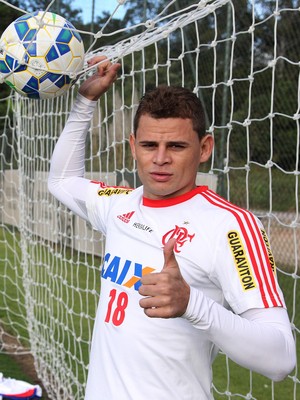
pixel 242 59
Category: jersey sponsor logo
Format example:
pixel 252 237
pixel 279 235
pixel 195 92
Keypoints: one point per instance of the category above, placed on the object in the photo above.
pixel 270 254
pixel 126 217
pixel 181 235
pixel 241 260
pixel 126 273
pixel 111 191
pixel 143 227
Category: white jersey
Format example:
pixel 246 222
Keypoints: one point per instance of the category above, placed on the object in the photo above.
pixel 223 254
pixel 221 249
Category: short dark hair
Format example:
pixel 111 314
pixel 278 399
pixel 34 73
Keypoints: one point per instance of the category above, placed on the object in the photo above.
pixel 172 102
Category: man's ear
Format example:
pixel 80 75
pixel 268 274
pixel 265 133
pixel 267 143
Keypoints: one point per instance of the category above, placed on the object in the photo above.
pixel 207 145
pixel 132 145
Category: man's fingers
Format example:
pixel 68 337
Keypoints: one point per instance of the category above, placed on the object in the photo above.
pixel 115 68
pixel 104 65
pixel 101 80
pixel 96 60
pixel 165 293
pixel 152 302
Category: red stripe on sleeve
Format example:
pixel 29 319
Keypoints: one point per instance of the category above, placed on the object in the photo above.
pixel 265 276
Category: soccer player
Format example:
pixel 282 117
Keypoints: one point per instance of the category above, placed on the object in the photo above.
pixel 185 273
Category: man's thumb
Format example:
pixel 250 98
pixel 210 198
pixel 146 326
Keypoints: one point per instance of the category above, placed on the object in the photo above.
pixel 169 256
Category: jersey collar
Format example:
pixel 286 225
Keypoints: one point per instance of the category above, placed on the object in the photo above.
pixel 173 200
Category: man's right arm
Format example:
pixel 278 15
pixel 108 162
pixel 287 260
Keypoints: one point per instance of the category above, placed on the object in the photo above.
pixel 66 181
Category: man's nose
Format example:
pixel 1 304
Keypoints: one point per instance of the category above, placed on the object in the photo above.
pixel 161 156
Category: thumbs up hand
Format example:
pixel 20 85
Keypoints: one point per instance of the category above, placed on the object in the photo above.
pixel 166 294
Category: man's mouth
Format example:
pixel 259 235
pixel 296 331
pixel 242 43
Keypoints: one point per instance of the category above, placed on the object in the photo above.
pixel 160 176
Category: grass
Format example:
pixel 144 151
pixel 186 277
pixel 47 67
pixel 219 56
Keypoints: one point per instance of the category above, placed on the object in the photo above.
pixel 256 189
pixel 60 285
pixel 60 298
pixel 239 379
pixel 12 369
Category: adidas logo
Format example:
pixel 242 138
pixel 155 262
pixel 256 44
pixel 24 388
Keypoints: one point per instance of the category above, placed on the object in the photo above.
pixel 126 217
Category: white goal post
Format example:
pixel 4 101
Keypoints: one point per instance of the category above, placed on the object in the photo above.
pixel 242 59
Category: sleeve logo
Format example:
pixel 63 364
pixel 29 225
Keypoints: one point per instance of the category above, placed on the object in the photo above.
pixel 241 261
pixel 111 191
pixel 269 251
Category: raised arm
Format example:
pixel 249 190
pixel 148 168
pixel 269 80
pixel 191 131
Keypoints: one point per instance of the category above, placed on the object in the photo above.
pixel 66 180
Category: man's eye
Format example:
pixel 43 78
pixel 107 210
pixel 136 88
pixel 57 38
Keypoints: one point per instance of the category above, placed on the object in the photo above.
pixel 148 145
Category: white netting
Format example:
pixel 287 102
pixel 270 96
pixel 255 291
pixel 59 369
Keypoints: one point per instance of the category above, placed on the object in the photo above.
pixel 242 59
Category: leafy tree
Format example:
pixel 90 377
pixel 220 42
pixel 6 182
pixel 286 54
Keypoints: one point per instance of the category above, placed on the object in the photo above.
pixel 138 11
pixel 286 75
pixel 114 25
pixel 61 7
pixel 274 90
pixel 8 14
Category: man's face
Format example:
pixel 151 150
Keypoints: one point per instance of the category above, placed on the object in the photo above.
pixel 168 153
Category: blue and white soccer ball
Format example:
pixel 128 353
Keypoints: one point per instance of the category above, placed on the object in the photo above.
pixel 41 55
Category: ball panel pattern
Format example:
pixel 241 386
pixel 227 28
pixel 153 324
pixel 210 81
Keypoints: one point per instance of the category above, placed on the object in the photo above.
pixel 40 55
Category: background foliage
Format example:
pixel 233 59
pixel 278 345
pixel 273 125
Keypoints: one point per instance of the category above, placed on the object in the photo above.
pixel 255 143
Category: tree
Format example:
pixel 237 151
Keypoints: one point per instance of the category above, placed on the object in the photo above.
pixel 61 7
pixel 141 10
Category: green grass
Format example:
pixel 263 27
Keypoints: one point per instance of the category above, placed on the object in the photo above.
pixel 59 285
pixel 261 388
pixel 12 369
pixel 11 284
pixel 56 285
pixel 256 189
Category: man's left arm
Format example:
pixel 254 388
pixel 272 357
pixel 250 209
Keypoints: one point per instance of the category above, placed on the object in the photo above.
pixel 259 339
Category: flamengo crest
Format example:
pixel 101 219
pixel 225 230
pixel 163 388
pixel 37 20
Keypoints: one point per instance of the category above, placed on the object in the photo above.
pixel 181 235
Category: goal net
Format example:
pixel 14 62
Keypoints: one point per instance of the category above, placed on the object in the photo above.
pixel 242 59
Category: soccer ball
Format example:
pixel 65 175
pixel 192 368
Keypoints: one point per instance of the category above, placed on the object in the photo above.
pixel 40 55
